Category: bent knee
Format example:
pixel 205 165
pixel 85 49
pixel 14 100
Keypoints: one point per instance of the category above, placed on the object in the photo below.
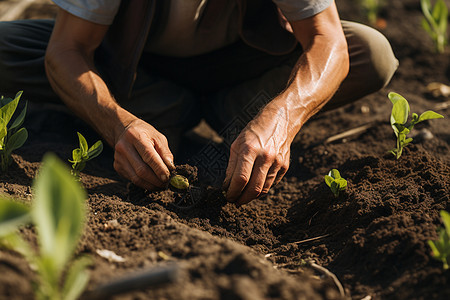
pixel 371 54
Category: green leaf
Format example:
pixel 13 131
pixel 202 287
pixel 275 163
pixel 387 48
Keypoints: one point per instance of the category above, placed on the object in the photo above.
pixel 16 140
pixel 342 183
pixel 400 111
pixel 95 150
pixel 76 155
pixel 59 211
pixel 445 216
pixel 428 115
pixel 328 180
pixel 83 144
pixel 7 111
pixel 12 215
pixel 20 118
pixel 334 173
pixel 76 279
pixel 394 97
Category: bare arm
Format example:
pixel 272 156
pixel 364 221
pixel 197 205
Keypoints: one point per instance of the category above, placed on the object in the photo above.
pixel 141 153
pixel 259 157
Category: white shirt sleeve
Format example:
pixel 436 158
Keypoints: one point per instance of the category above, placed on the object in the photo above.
pixel 295 10
pixel 96 11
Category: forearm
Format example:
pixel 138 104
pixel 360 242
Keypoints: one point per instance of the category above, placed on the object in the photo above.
pixel 75 80
pixel 314 80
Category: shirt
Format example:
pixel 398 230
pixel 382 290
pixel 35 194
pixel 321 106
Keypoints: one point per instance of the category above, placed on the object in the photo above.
pixel 182 34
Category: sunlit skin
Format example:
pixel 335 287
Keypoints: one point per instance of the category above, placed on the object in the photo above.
pixel 259 157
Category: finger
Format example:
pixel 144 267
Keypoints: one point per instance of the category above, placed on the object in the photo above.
pixel 149 155
pixel 139 167
pixel 241 176
pixel 271 177
pixel 124 168
pixel 232 162
pixel 256 184
pixel 162 147
pixel 280 174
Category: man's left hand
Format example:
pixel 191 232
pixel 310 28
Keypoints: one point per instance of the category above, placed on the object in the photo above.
pixel 259 157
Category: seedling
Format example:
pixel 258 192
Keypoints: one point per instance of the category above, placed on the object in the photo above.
pixel 336 183
pixel 83 154
pixel 372 9
pixel 12 136
pixel 189 195
pixel 435 22
pixel 399 121
pixel 59 215
pixel 441 248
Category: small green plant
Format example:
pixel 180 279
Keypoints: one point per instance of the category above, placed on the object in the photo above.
pixel 372 9
pixel 441 248
pixel 399 121
pixel 336 183
pixel 59 216
pixel 83 154
pixel 12 136
pixel 435 22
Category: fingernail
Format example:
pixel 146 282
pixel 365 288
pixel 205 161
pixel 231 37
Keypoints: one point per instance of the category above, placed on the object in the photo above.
pixel 164 178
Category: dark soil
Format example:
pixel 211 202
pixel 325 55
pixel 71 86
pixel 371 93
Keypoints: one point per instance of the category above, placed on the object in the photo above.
pixel 373 237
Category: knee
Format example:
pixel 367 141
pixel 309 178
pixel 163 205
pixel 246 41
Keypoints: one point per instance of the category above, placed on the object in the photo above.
pixel 371 54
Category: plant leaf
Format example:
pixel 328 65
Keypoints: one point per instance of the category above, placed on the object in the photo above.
pixel 59 211
pixel 7 111
pixel 76 155
pixel 335 174
pixel 446 220
pixel 83 144
pixel 428 115
pixel 342 183
pixel 328 180
pixel 20 118
pixel 16 140
pixel 95 150
pixel 76 279
pixel 12 215
pixel 400 111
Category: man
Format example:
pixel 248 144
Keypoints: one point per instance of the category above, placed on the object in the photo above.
pixel 212 56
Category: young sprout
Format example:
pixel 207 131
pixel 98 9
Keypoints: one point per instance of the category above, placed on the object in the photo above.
pixel 441 248
pixel 58 214
pixel 83 154
pixel 12 136
pixel 435 22
pixel 399 121
pixel 179 183
pixel 336 183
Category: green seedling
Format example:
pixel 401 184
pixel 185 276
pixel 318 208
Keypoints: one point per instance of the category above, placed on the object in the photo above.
pixel 336 183
pixel 58 213
pixel 399 121
pixel 188 195
pixel 441 248
pixel 83 154
pixel 179 183
pixel 372 9
pixel 435 22
pixel 12 136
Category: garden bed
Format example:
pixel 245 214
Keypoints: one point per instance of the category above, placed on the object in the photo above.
pixel 373 237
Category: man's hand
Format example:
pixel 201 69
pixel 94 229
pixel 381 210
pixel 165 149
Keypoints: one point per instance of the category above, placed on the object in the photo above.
pixel 143 156
pixel 259 157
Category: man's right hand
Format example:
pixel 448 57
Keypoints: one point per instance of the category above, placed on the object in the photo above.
pixel 142 155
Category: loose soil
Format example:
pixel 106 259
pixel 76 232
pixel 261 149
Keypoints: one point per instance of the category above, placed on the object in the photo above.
pixel 373 237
